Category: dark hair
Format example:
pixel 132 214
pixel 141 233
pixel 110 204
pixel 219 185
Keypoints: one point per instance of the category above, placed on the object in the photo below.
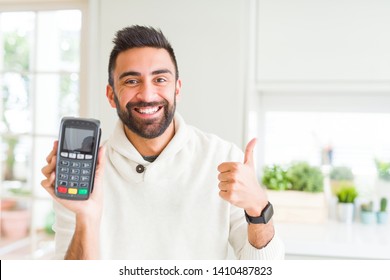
pixel 136 36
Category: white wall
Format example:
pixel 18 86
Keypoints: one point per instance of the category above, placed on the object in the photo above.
pixel 209 41
pixel 324 40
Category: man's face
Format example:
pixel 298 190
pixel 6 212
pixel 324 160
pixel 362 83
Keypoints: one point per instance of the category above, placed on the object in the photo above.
pixel 145 90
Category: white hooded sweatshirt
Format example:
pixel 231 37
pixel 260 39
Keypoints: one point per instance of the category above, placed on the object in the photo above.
pixel 169 208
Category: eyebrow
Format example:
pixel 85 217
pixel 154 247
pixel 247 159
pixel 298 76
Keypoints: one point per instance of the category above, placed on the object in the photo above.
pixel 155 72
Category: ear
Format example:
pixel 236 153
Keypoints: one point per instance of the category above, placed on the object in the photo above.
pixel 178 89
pixel 110 94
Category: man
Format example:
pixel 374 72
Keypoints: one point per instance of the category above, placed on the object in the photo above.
pixel 168 190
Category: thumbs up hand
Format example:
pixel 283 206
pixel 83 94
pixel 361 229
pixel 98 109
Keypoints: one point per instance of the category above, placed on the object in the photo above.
pixel 239 186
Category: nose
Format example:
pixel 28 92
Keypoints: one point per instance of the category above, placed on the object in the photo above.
pixel 146 92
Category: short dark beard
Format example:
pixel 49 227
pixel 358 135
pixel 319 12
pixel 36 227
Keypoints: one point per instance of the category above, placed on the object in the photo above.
pixel 148 129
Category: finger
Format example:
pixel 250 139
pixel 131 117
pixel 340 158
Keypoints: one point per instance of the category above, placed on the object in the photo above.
pixel 51 179
pixel 53 152
pixel 229 166
pixel 97 189
pixel 226 196
pixel 248 159
pixel 223 177
pixel 228 177
pixel 100 159
pixel 48 184
pixel 50 167
pixel 100 162
pixel 223 195
pixel 223 186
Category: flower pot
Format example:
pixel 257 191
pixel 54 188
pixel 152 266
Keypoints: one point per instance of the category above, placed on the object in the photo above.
pixel 298 206
pixel 7 204
pixel 15 224
pixel 345 212
pixel 381 217
pixel 367 217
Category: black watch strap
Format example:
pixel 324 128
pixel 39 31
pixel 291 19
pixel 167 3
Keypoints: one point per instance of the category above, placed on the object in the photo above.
pixel 264 217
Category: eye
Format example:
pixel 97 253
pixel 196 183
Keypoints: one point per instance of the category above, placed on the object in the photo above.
pixel 131 82
pixel 161 80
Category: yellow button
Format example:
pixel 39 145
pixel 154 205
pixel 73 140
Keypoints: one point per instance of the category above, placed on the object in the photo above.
pixel 72 191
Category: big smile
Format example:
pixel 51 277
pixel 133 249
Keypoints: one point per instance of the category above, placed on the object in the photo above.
pixel 148 110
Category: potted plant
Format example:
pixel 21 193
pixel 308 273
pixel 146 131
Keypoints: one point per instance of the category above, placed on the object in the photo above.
pixel 367 215
pixel 275 178
pixel 305 177
pixel 346 196
pixel 382 213
pixel 296 192
pixel 340 175
pixel 383 179
pixel 15 220
pixel 383 169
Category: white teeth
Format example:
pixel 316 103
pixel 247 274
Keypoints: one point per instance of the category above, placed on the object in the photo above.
pixel 148 110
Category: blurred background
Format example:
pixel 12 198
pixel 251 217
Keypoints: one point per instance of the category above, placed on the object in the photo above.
pixel 309 79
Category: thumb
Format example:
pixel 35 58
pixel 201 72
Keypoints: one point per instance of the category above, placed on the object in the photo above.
pixel 248 159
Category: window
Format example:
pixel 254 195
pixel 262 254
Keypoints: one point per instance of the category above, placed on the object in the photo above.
pixel 353 139
pixel 332 128
pixel 39 79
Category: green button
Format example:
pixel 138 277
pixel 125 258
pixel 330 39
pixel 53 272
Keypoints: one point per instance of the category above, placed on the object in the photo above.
pixel 83 191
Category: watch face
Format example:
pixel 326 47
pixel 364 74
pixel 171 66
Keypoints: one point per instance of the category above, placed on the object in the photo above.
pixel 268 212
pixel 264 218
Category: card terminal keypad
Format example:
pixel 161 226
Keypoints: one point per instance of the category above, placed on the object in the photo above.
pixel 74 173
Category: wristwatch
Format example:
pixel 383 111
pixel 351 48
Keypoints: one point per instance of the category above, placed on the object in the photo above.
pixel 264 217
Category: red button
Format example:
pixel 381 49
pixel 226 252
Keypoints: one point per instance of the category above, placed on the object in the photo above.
pixel 62 190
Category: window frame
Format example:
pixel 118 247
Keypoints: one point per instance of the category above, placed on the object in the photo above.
pixel 32 240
